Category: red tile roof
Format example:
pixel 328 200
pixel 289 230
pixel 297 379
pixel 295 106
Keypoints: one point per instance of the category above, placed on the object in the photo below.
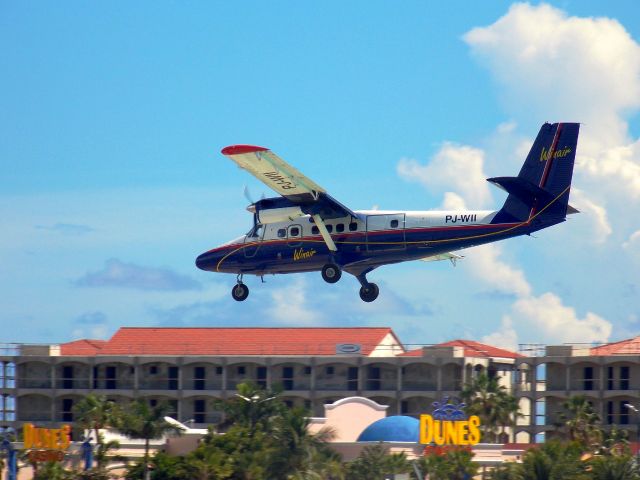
pixel 83 348
pixel 471 349
pixel 237 341
pixel 631 346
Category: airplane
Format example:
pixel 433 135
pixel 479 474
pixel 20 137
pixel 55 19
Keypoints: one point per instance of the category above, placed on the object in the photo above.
pixel 307 230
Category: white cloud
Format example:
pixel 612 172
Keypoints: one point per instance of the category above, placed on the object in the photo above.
pixel 485 264
pixel 290 304
pixel 596 213
pixel 633 242
pixel 453 201
pixel 621 163
pixel 558 67
pixel 457 167
pixel 548 320
pixel 505 337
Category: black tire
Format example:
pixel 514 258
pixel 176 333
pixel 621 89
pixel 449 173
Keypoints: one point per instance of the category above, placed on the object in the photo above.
pixel 240 292
pixel 331 273
pixel 369 293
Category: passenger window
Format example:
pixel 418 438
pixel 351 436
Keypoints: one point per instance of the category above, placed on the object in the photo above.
pixel 353 226
pixel 329 228
pixel 294 232
pixel 282 233
pixel 340 227
pixel 394 223
pixel 314 230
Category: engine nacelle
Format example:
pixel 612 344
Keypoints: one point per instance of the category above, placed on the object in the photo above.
pixel 273 215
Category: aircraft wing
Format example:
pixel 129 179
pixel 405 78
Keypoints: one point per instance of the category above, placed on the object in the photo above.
pixel 286 180
pixel 452 257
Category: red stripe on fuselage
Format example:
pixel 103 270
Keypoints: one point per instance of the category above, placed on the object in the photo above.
pixel 352 234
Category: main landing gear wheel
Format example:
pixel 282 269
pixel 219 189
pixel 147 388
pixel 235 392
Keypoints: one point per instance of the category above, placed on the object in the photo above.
pixel 369 292
pixel 240 292
pixel 331 273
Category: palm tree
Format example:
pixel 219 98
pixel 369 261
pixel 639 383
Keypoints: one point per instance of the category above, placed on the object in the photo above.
pixel 581 421
pixel 614 467
pixel 554 461
pixel 486 398
pixel 95 413
pixel 142 421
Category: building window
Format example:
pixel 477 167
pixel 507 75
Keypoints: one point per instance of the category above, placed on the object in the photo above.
pixel 153 370
pixel 242 370
pixel 624 413
pixel 329 370
pixel 610 378
pixel 609 413
pixel 588 378
pixel 199 374
pixel 67 410
pixel 218 370
pixel 153 402
pixel 173 378
pixel 199 411
pixel 307 370
pixel 624 378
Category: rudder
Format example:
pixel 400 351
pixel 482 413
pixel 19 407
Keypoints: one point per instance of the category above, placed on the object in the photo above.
pixel 541 189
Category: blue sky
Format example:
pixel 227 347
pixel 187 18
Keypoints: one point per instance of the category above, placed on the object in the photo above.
pixel 112 182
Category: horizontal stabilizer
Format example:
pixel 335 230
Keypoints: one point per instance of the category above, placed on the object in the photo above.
pixel 522 189
pixel 571 210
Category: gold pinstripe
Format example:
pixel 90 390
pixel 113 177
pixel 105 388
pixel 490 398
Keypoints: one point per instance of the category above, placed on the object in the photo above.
pixel 421 242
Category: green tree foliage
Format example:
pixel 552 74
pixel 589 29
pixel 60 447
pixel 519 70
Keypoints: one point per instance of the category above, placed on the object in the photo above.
pixel 264 440
pixel 554 460
pixel 374 463
pixel 140 420
pixel 581 422
pixel 455 464
pixel 486 398
pixel 614 467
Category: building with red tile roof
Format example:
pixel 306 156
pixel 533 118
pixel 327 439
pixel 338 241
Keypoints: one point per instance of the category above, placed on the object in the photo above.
pixel 469 348
pixel 368 341
pixel 630 346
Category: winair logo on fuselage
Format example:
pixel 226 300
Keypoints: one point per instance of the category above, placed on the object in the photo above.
pixel 302 254
pixel 472 217
pixel 546 154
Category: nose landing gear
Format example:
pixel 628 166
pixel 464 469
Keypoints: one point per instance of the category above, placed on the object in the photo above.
pixel 240 291
pixel 331 273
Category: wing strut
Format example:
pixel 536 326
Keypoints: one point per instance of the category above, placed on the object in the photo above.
pixel 325 233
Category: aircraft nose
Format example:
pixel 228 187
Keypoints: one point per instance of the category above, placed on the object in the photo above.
pixel 205 260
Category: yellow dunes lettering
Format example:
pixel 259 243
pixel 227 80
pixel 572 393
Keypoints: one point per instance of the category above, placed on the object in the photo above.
pixel 546 154
pixel 302 254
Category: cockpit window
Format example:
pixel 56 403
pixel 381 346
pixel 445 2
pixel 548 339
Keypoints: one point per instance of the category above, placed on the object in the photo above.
pixel 256 231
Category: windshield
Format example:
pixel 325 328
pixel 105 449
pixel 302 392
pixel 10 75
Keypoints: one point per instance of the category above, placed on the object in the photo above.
pixel 256 231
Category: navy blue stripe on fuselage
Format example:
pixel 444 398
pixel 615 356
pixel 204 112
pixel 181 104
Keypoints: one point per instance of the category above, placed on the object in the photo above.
pixel 390 246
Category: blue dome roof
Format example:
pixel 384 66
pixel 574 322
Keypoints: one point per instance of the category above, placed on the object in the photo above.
pixel 397 428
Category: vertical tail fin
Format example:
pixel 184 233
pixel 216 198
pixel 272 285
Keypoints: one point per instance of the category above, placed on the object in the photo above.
pixel 541 189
